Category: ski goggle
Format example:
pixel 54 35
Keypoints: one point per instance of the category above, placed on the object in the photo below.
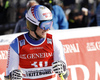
pixel 46 24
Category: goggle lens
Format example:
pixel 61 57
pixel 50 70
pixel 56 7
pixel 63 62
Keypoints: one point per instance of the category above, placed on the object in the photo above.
pixel 46 25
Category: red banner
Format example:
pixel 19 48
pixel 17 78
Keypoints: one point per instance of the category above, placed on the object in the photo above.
pixel 83 58
pixel 3 60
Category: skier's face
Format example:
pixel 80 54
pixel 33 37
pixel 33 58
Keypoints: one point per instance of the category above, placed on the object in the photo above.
pixel 41 33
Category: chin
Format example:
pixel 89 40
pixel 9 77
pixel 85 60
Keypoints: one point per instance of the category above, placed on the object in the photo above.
pixel 43 36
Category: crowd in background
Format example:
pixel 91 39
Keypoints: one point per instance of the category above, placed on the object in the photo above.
pixel 79 13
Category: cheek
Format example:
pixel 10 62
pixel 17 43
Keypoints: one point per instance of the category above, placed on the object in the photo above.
pixel 39 31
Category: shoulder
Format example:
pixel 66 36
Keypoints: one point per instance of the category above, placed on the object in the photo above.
pixel 21 20
pixel 54 38
pixel 15 42
pixel 57 7
pixel 14 45
pixel 22 36
pixel 49 35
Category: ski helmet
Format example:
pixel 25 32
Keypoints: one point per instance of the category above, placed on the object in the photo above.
pixel 38 15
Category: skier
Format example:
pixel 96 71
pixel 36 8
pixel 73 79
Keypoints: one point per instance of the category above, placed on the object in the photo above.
pixel 39 54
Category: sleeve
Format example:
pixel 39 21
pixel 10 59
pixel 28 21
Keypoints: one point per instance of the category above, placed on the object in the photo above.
pixel 62 21
pixel 13 57
pixel 17 27
pixel 58 50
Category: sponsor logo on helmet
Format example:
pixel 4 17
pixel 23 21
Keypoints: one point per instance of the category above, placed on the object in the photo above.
pixel 42 7
pixel 47 14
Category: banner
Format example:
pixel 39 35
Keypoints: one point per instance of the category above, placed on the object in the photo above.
pixel 83 58
pixel 81 48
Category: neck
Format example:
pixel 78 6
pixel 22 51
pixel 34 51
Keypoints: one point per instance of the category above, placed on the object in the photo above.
pixel 32 35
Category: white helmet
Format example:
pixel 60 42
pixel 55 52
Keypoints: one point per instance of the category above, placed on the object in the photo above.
pixel 38 13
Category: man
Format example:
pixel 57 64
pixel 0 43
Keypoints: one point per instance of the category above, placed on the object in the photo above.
pixel 95 19
pixel 59 18
pixel 39 55
pixel 78 19
pixel 21 24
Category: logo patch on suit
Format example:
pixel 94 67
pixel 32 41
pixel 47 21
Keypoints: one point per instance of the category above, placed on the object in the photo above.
pixel 49 41
pixel 22 42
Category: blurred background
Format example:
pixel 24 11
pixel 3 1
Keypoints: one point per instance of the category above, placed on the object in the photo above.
pixel 13 10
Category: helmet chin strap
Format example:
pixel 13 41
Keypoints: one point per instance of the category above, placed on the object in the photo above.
pixel 34 37
pixel 37 35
